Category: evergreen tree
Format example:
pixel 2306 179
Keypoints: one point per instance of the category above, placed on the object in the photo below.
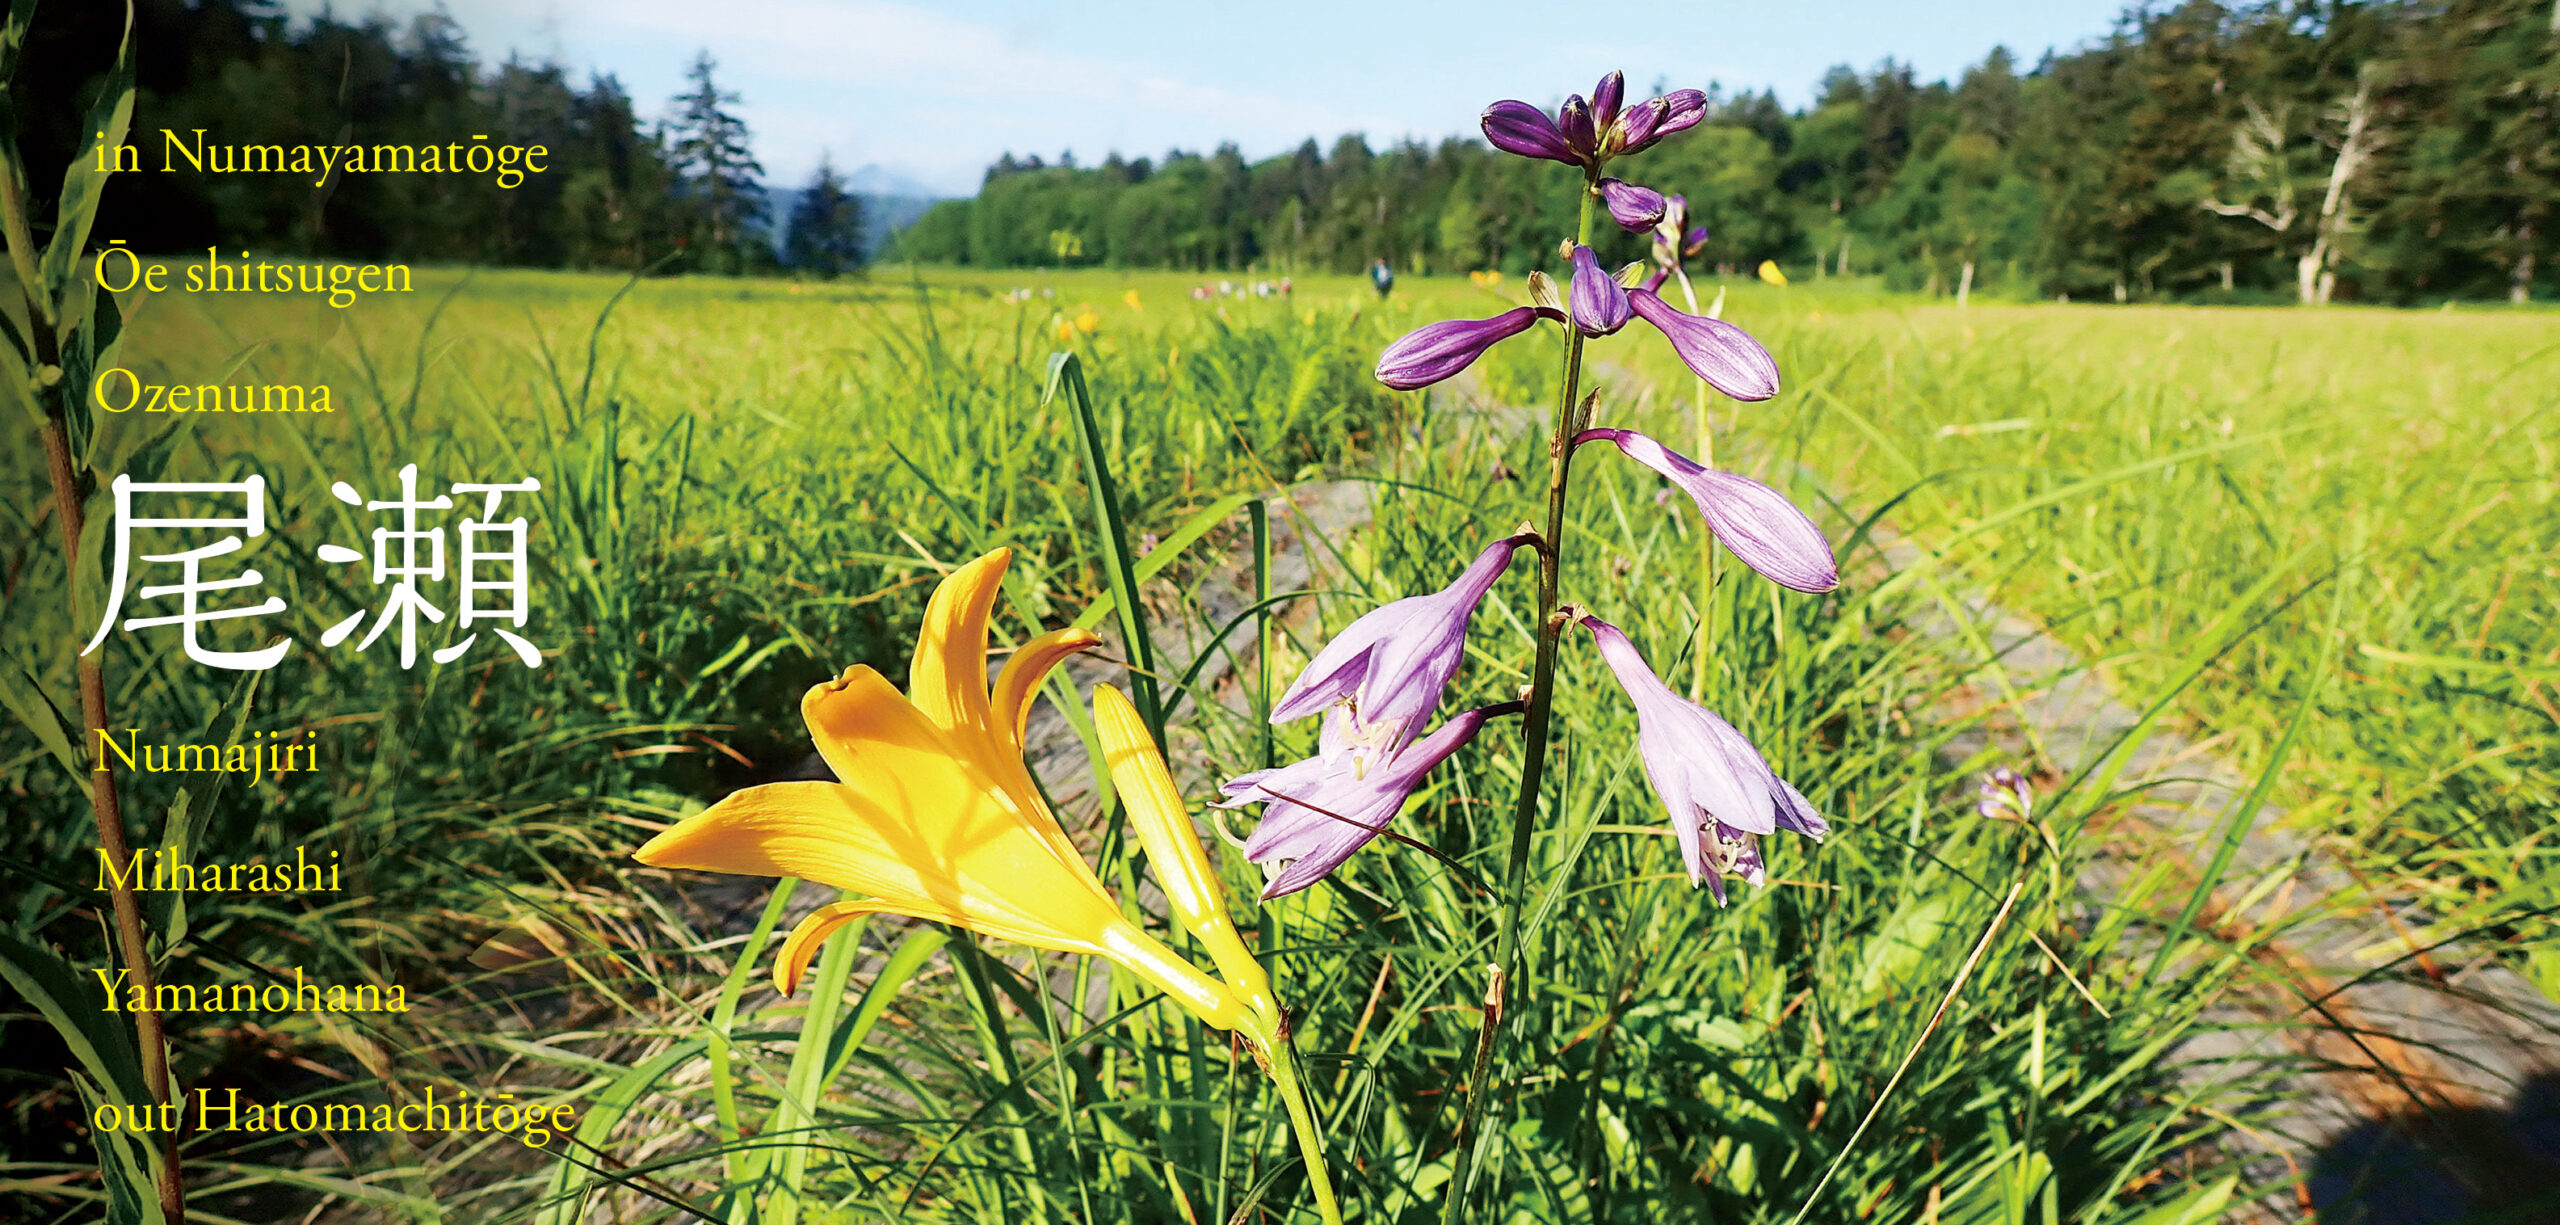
pixel 825 238
pixel 715 165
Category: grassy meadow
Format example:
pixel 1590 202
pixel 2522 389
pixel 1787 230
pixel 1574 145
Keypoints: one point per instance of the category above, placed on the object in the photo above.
pixel 2326 539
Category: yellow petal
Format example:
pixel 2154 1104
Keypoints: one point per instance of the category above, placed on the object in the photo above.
pixel 1015 688
pixel 1163 826
pixel 948 680
pixel 940 848
pixel 1202 996
pixel 866 730
pixel 1020 680
pixel 802 946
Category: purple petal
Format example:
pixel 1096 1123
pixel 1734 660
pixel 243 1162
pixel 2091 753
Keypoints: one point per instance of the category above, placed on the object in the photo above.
pixel 1765 530
pixel 1517 127
pixel 1637 127
pixel 1635 209
pixel 1337 670
pixel 1694 241
pixel 1599 302
pixel 1796 813
pixel 1605 98
pixel 1574 120
pixel 1722 794
pixel 1681 110
pixel 1754 809
pixel 1319 819
pixel 1412 667
pixel 1436 351
pixel 1722 354
pixel 1697 762
pixel 1396 660
pixel 1704 770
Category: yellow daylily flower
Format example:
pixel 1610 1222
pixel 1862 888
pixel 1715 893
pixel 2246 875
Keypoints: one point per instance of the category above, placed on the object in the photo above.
pixel 936 815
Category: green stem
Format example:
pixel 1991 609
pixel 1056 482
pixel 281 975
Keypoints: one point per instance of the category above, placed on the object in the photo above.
pixel 1284 1076
pixel 1534 732
pixel 1705 647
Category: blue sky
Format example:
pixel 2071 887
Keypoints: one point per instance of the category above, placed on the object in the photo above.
pixel 933 94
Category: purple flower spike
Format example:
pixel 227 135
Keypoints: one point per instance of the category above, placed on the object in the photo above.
pixel 1517 127
pixel 1721 792
pixel 1589 133
pixel 1764 530
pixel 1605 98
pixel 1392 664
pixel 1320 811
pixel 1722 354
pixel 1635 209
pixel 1599 301
pixel 1436 351
pixel 1574 120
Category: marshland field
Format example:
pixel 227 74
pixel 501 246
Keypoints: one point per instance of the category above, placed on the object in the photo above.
pixel 2317 547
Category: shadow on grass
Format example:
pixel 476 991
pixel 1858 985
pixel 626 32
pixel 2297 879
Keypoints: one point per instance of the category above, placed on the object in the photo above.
pixel 2474 1164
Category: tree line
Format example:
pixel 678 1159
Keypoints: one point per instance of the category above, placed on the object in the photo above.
pixel 2392 150
pixel 629 185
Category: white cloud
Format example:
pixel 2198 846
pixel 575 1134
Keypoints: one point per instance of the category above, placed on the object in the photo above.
pixel 933 96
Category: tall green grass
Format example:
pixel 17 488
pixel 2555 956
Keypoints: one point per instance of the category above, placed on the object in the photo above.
pixel 749 485
pixel 2412 458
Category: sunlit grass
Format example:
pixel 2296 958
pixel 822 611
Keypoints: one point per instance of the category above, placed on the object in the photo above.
pixel 750 484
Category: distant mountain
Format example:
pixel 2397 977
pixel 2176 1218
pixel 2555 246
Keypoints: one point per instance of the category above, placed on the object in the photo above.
pixel 877 180
pixel 890 202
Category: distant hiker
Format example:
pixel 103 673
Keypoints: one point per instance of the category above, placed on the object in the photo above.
pixel 1383 277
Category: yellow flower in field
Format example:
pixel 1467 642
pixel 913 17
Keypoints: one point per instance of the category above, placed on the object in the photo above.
pixel 937 817
pixel 1770 272
pixel 1131 298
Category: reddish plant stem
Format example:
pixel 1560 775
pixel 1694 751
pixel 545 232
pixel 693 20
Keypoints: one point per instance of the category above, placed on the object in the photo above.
pixel 103 799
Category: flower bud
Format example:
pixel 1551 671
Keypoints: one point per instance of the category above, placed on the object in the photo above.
pixel 1542 293
pixel 1681 110
pixel 1517 127
pixel 1574 120
pixel 1722 354
pixel 1599 301
pixel 1765 531
pixel 1436 351
pixel 1635 209
pixel 1605 98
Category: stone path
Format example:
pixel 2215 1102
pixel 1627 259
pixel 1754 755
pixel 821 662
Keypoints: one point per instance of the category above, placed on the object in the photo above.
pixel 2386 1051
